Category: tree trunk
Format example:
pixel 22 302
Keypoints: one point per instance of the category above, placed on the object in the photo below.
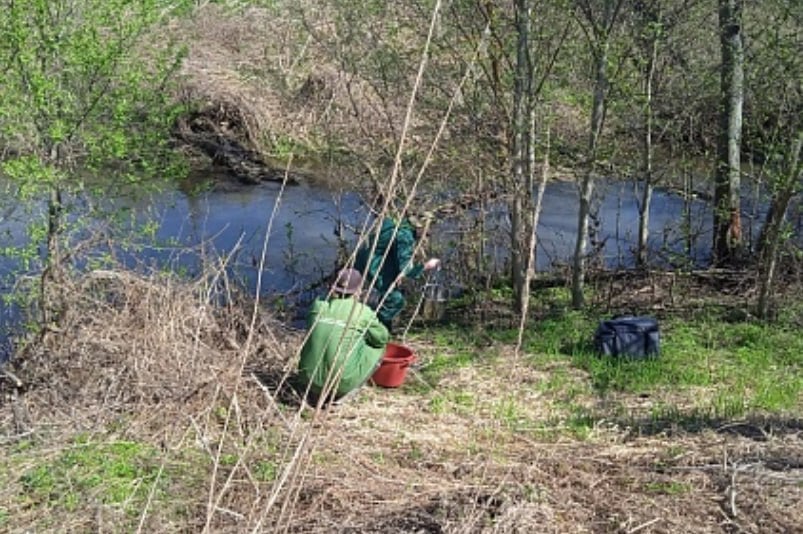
pixel 533 224
pixel 688 192
pixel 52 273
pixel 598 29
pixel 770 239
pixel 587 185
pixel 727 220
pixel 646 195
pixel 522 145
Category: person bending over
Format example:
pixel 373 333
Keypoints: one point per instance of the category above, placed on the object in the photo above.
pixel 398 263
pixel 345 344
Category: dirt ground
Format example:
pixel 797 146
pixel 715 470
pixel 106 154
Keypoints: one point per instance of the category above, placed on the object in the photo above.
pixel 390 463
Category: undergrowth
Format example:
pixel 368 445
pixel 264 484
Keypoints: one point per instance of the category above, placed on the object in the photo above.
pixel 710 363
pixel 167 417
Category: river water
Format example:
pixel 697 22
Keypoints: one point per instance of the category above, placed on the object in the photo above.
pixel 303 241
pixel 302 244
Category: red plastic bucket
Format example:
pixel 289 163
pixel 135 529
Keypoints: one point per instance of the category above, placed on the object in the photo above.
pixel 393 369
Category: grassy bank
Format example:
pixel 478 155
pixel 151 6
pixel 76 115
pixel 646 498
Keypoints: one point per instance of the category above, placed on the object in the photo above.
pixel 710 368
pixel 154 411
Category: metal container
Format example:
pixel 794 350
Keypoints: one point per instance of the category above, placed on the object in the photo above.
pixel 435 297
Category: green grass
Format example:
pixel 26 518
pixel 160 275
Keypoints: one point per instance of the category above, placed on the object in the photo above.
pixel 559 335
pixel 744 366
pixel 714 365
pixel 457 401
pixel 85 475
pixel 748 366
pixel 667 488
pixel 509 413
pixel 118 473
pixel 441 363
pixel 266 471
pixel 456 348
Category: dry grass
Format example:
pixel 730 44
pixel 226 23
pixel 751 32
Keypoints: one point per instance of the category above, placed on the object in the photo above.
pixel 264 80
pixel 489 447
pixel 133 341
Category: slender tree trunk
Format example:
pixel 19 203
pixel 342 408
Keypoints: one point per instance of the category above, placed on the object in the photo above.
pixel 51 274
pixel 535 201
pixel 598 28
pixel 646 194
pixel 480 225
pixel 522 141
pixel 533 225
pixel 770 239
pixel 587 185
pixel 688 191
pixel 727 219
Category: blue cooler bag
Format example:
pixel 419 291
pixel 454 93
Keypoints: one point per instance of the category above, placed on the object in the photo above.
pixel 635 338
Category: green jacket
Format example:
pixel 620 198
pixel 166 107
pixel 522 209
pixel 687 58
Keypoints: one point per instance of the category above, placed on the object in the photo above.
pixel 399 259
pixel 346 339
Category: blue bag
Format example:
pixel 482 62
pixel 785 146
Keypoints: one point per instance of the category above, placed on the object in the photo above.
pixel 636 338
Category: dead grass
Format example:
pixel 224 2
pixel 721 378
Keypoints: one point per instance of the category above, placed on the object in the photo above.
pixel 265 80
pixel 489 446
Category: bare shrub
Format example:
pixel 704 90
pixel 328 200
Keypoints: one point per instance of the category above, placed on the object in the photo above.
pixel 139 343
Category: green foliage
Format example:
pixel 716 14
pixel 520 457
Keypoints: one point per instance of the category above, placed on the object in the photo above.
pixel 119 473
pixel 458 349
pixel 81 88
pixel 563 333
pixel 457 401
pixel 266 471
pixel 437 404
pixel 743 366
pixel 580 423
pixel 668 488
pixel 284 147
pixel 509 413
pixel 85 112
pixel 772 69
pixel 748 366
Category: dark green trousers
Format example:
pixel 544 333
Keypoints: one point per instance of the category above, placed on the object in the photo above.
pixel 391 307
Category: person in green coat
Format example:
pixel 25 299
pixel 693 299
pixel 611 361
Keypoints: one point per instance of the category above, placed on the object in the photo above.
pixel 398 264
pixel 345 344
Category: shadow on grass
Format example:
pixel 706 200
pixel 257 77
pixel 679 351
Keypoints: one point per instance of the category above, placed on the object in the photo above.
pixel 288 390
pixel 757 428
pixel 283 386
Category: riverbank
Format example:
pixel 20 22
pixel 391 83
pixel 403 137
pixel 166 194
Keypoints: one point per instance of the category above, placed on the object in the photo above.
pixel 158 402
pixel 150 409
pixel 266 94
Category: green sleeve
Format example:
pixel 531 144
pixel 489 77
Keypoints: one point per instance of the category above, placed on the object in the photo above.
pixel 376 335
pixel 405 246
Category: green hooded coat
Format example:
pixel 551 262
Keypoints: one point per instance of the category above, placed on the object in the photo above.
pixel 346 343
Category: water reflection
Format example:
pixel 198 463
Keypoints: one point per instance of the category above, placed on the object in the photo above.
pixel 677 228
pixel 302 244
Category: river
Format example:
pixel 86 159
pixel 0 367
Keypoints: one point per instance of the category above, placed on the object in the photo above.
pixel 302 245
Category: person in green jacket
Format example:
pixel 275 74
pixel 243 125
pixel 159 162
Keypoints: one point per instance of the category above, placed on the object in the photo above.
pixel 398 264
pixel 345 344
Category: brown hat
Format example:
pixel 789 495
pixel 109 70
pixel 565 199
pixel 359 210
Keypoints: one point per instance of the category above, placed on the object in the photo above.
pixel 348 282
